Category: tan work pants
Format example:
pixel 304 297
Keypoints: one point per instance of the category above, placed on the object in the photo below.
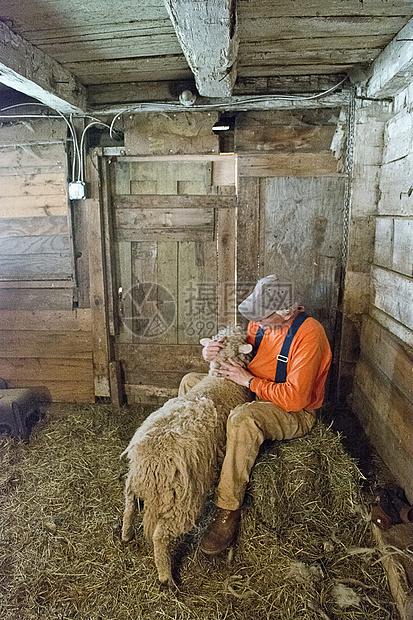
pixel 248 426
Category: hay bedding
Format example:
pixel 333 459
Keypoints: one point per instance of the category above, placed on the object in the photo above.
pixel 304 550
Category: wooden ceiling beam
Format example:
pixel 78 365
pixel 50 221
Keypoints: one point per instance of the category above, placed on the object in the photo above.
pixel 28 70
pixel 207 32
pixel 392 71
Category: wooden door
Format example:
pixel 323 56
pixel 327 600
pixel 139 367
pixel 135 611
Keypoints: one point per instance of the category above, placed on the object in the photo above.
pixel 174 255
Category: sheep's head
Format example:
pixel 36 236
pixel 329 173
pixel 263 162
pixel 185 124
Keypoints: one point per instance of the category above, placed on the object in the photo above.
pixel 235 348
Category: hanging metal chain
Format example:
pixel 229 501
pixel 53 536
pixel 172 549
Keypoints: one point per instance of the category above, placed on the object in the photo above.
pixel 349 173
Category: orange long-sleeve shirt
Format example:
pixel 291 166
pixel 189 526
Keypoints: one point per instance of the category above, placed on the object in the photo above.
pixel 308 362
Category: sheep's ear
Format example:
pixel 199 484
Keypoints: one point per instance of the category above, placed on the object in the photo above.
pixel 245 348
pixel 204 341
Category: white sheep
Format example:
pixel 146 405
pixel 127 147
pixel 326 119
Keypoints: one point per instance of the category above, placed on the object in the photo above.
pixel 175 454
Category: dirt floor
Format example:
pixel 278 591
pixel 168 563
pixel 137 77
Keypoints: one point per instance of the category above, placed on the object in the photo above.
pixel 305 553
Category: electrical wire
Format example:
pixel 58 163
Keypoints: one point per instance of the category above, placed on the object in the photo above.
pixel 96 122
pixel 78 148
pixel 173 107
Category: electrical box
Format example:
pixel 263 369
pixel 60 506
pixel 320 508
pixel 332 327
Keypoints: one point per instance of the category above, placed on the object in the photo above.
pixel 77 190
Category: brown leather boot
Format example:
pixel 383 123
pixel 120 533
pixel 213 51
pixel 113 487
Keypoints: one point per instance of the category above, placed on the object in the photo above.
pixel 221 532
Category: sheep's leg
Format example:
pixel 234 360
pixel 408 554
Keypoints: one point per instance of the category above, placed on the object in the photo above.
pixel 128 515
pixel 161 539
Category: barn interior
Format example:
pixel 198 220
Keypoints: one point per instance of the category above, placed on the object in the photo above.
pixel 158 157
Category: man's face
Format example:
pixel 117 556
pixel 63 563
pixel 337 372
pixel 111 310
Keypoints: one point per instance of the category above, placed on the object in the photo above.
pixel 275 321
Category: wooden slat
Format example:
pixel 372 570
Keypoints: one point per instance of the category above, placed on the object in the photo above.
pixel 46 344
pixel 298 69
pixel 40 369
pixel 403 246
pixel 108 46
pixel 62 391
pixel 248 239
pixel 16 170
pixel 51 244
pixel 164 358
pixel 394 244
pixel 292 165
pixel 33 131
pixel 41 299
pixel 37 284
pixel 167 277
pixel 284 139
pixel 36 226
pixel 311 44
pixel 149 394
pixel 165 379
pixel 124 271
pixel 394 327
pixel 16 210
pixel 47 320
pixel 390 355
pixel 393 295
pixel 163 219
pixel 174 202
pixel 38 157
pixel 52 184
pixel 144 271
pixel 171 67
pixel 270 55
pixel 162 234
pixel 398 137
pixel 226 243
pixel 261 28
pixel 395 184
pixel 32 206
pixel 258 8
pixel 47 266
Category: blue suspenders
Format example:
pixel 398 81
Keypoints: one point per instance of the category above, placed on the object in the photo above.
pixel 282 358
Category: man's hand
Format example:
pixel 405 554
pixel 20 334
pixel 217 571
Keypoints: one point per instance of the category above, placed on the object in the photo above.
pixel 234 372
pixel 212 348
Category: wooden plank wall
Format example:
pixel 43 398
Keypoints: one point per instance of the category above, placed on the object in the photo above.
pixel 383 395
pixel 44 341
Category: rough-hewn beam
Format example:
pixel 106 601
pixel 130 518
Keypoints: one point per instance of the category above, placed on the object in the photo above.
pixel 235 104
pixel 28 70
pixel 392 71
pixel 207 32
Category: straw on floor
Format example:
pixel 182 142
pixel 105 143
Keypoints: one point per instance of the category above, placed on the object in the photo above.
pixel 304 549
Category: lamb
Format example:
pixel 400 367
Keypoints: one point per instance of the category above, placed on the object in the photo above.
pixel 174 455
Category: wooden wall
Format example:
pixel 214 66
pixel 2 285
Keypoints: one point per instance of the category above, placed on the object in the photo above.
pixel 383 385
pixel 45 340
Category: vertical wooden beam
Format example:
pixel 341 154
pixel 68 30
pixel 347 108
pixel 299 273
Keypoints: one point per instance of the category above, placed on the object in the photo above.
pixel 97 299
pixel 100 330
pixel 248 234
pixel 226 245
